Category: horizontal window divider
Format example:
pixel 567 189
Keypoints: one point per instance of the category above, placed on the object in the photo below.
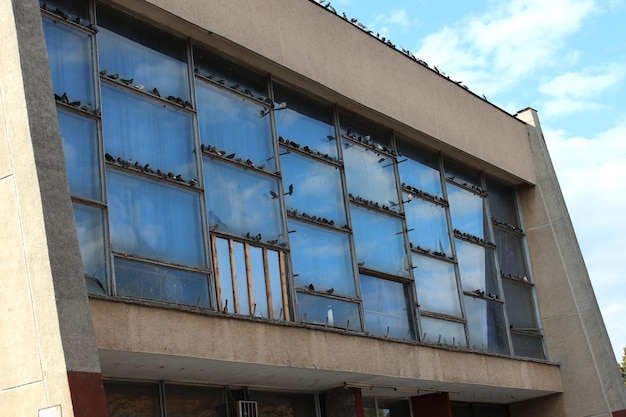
pixel 88 202
pixel 154 94
pixel 317 220
pixel 223 155
pixel 433 254
pixel 131 257
pixel 77 107
pixel 370 145
pixel 416 192
pixel 378 274
pixel 474 239
pixel 374 205
pixel 328 293
pixel 478 293
pixel 516 278
pixel 507 227
pixel 527 331
pixel 234 88
pixel 308 151
pixel 138 168
pixel 278 246
pixel 469 187
pixel 442 316
pixel 149 302
pixel 76 23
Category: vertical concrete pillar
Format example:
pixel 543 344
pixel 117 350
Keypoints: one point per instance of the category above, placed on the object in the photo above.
pixel 431 405
pixel 344 402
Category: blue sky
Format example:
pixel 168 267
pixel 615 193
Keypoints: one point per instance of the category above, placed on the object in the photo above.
pixel 567 60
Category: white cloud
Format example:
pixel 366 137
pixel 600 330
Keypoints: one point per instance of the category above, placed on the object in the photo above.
pixel 385 23
pixel 491 51
pixel 565 106
pixel 590 173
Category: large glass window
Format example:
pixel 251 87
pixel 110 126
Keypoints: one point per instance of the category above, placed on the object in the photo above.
pixel 476 265
pixel 428 226
pixel 436 285
pixel 142 130
pixel 379 242
pixel 466 210
pixel 486 324
pixel 387 308
pixel 321 259
pixel 141 213
pixel 80 147
pixel 242 202
pixel 89 227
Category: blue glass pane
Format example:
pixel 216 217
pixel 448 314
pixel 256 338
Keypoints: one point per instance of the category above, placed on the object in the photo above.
pixel 143 65
pixel 236 125
pixel 321 257
pixel 223 275
pixel 436 285
pixel 379 241
pixel 485 321
pixel 80 147
pixel 466 210
pixel 305 122
pixel 154 220
pixel 91 242
pixel 429 224
pixel 148 132
pixel 69 53
pixel 442 331
pixel 476 267
pixel 316 188
pixel 328 311
pixel 241 279
pixel 259 287
pixel 419 175
pixel 276 288
pixel 387 308
pixel 370 175
pixel 241 202
pixel 138 279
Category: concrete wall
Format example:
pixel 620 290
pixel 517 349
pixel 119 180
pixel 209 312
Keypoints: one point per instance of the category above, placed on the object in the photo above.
pixel 47 334
pixel 306 45
pixel 575 334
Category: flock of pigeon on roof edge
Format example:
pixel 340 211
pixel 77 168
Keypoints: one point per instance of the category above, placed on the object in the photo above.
pixel 388 42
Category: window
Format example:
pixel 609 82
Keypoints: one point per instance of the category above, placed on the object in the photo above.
pixel 436 285
pixel 387 308
pixel 89 228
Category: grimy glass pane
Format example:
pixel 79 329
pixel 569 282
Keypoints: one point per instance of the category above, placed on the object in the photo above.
pixel 142 55
pixel 442 331
pixel 387 308
pixel 242 202
pixel 194 401
pixel 235 125
pixel 154 220
pixel 462 174
pixel 476 265
pixel 242 279
pixel 91 241
pixel 429 226
pixel 419 169
pixel 69 53
pixel 72 8
pixel 502 202
pixel 356 127
pixel 435 282
pixel 305 122
pixel 510 252
pixel 370 175
pixel 328 311
pixel 224 275
pixel 485 321
pixel 321 257
pixel 520 306
pixel 379 241
pixel 139 279
pixel 143 130
pixel 131 399
pixel 80 147
pixel 316 188
pixel 273 262
pixel 466 210
pixel 527 346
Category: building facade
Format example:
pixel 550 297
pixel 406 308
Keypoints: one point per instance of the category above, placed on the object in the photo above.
pixel 234 208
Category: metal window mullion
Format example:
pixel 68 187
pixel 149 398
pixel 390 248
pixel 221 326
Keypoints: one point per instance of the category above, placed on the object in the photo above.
pixel 496 262
pixel 457 269
pixel 346 202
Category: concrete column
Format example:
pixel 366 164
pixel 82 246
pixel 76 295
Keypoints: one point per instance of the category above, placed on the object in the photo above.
pixel 431 405
pixel 344 402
